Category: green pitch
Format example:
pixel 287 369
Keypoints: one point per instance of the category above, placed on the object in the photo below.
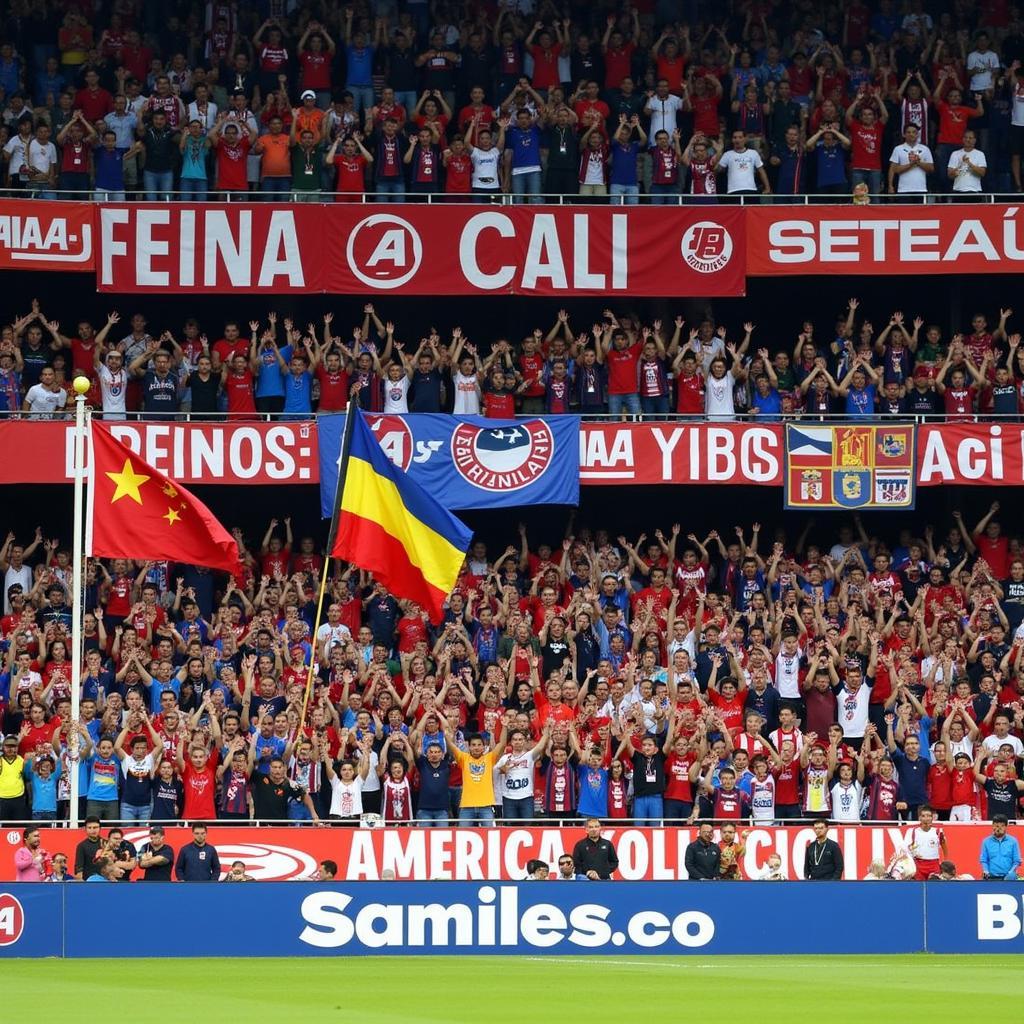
pixel 555 990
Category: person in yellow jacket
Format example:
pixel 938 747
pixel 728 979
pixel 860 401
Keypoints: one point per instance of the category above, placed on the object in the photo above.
pixel 477 804
pixel 13 801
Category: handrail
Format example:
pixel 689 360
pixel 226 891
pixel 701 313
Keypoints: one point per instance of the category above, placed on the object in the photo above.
pixel 101 197
pixel 209 418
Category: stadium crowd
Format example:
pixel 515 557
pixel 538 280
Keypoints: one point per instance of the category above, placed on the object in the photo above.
pixel 386 101
pixel 840 677
pixel 621 365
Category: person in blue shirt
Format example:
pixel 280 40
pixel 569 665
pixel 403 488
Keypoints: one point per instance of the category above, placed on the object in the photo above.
pixel 911 769
pixel 109 160
pixel 856 389
pixel 522 158
pixel 1000 853
pixel 593 798
pixel 104 776
pixel 766 403
pixel 297 379
pixel 40 774
pixel 624 185
pixel 107 871
pixel 829 144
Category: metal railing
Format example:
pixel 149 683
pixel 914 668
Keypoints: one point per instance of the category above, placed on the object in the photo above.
pixel 498 198
pixel 186 416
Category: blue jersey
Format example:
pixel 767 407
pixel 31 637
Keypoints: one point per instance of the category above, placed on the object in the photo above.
pixel 593 799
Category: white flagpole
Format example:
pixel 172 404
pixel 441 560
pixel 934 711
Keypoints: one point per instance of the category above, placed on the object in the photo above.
pixel 81 386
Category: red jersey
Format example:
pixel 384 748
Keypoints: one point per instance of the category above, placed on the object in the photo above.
pixel 532 369
pixel 959 402
pixel 940 787
pixel 866 146
pixel 545 66
pixel 200 790
pixel 231 165
pixel 962 787
pixel 705 116
pixel 690 394
pixel 273 58
pixel 787 783
pixel 731 709
pixel 953 123
pixel 351 173
pixel 119 601
pixel 665 167
pixel 622 369
pixel 617 792
pixel 460 175
pixel 618 65
pixel 275 562
pixel 74 158
pixel 677 776
pixel 316 71
pixel 239 392
pixel 333 389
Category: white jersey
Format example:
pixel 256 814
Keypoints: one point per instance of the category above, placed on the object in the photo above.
pixel 43 403
pixel 396 395
pixel 925 845
pixel 517 782
pixel 852 709
pixel 719 402
pixel 467 394
pixel 346 797
pixel 762 800
pixel 485 167
pixel 113 388
pixel 787 674
pixel 846 801
pixel 993 742
pixel 779 736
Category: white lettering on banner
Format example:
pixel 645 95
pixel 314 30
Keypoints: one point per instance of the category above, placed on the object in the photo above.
pixel 494 921
pixel 910 240
pixel 227 258
pixel 546 257
pixel 997 917
pixel 599 461
pixel 975 459
pixel 24 240
pixel 190 453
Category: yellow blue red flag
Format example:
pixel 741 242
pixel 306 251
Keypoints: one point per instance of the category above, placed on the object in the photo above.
pixel 390 526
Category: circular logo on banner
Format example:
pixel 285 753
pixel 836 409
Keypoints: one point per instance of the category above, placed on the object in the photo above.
pixel 394 437
pixel 706 247
pixel 12 919
pixel 503 458
pixel 384 251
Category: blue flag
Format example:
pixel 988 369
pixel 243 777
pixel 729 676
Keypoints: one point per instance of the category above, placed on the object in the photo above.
pixel 469 461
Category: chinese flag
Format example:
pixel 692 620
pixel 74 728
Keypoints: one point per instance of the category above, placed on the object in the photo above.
pixel 137 512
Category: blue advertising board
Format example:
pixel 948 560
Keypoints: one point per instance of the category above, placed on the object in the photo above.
pixel 31 920
pixel 512 918
pixel 980 917
pixel 469 461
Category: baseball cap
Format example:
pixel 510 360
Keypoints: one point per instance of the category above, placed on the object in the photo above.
pixel 156 830
pixel 307 94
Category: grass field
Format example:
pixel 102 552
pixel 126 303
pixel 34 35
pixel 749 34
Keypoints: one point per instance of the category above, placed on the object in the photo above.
pixel 496 990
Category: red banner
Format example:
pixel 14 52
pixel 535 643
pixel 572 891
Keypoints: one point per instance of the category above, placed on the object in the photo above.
pixel 610 453
pixel 422 854
pixel 191 453
pixel 38 235
pixel 681 453
pixel 347 249
pixel 919 240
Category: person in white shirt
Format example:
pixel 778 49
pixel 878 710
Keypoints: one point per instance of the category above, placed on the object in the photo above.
pixel 516 769
pixel 663 108
pixel 42 162
pixel 113 378
pixel 45 399
pixel 982 64
pixel 485 154
pixel 466 379
pixel 848 792
pixel 911 163
pixel 16 154
pixel 396 387
pixel 967 166
pixel 719 387
pixel 743 167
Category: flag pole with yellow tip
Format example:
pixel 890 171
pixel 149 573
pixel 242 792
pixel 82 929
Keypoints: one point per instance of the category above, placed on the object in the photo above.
pixel 339 487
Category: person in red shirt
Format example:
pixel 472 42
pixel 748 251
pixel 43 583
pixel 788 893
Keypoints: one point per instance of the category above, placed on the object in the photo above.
pixel 621 357
pixel 238 384
pixel 991 544
pixel 199 778
pixel 231 345
pixel 499 395
pixel 477 113
pixel 232 150
pixel 589 108
pixel 275 556
pixel 671 62
pixel 545 55
pixel 702 99
pixel 866 131
pixel 93 101
pixel 531 369
pixel 334 384
pixel 316 51
pixel 727 697
pixel 618 50
pixel 690 384
pixel 351 164
pixel 953 118
pixel 76 138
pixel 459 168
pixel 958 396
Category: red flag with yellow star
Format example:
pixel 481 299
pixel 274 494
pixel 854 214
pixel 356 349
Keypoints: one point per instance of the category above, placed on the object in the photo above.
pixel 137 512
